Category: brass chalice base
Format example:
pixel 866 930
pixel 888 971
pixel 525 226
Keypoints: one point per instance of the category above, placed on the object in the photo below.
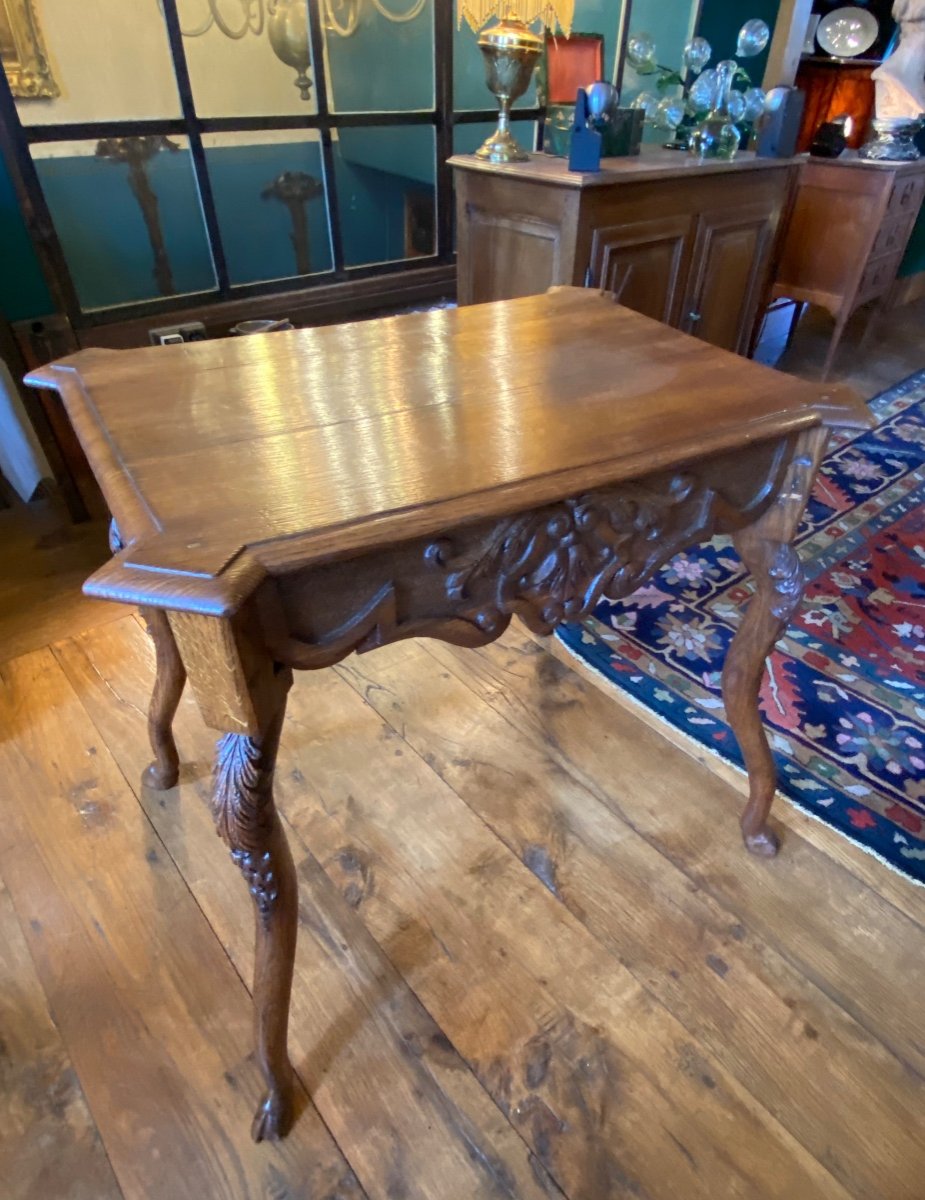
pixel 510 51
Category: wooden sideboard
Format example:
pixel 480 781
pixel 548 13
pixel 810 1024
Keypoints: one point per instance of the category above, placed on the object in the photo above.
pixel 691 244
pixel 848 232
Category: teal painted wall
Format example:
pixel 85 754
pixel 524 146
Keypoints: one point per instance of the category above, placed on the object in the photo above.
pixel 23 294
pixel 103 234
pixel 720 22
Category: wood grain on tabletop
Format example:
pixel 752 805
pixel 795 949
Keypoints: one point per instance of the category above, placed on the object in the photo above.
pixel 348 434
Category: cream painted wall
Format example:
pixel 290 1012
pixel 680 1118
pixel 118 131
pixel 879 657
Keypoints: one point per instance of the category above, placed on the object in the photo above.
pixel 111 60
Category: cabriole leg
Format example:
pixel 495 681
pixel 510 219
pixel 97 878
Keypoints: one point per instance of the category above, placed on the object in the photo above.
pixel 164 771
pixel 766 550
pixel 247 820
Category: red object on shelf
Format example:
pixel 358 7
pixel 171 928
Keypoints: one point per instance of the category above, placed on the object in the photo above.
pixel 572 63
pixel 832 91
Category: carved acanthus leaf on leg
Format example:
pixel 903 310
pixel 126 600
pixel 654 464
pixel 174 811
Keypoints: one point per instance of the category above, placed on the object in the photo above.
pixel 242 807
pixel 246 819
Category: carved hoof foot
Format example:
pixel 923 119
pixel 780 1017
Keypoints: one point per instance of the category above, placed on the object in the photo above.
pixel 764 843
pixel 160 778
pixel 273 1118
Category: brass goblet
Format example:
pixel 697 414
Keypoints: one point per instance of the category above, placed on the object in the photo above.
pixel 510 51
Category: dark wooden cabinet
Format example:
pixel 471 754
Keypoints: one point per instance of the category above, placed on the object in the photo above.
pixel 690 244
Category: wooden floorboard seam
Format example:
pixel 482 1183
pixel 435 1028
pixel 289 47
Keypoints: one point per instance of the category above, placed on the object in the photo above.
pixel 779 946
pixel 605 950
pixel 133 787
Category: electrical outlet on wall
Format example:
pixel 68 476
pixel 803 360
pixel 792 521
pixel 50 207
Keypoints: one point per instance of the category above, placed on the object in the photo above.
pixel 171 335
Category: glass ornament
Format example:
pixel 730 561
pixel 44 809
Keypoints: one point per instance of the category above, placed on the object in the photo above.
pixel 717 136
pixel 701 141
pixel 736 106
pixel 647 102
pixel 755 100
pixel 697 53
pixel 641 53
pixel 702 93
pixel 602 99
pixel 753 37
pixel 669 112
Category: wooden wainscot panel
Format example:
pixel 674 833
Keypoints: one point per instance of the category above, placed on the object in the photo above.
pixel 516 256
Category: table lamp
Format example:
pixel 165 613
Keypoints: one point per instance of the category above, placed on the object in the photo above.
pixel 510 50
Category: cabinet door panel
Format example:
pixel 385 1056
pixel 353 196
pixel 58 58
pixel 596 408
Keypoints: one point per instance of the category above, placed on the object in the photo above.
pixel 644 262
pixel 732 250
pixel 515 256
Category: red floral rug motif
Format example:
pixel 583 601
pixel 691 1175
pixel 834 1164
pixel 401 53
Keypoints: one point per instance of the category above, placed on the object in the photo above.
pixel 844 697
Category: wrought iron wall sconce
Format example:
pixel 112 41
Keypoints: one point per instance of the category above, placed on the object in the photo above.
pixel 286 23
pixel 343 16
pixel 294 189
pixel 136 153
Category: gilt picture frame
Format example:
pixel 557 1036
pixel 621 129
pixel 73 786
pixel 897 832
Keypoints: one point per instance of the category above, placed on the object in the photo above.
pixel 22 52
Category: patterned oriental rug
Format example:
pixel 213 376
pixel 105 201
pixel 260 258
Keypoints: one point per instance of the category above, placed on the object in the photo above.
pixel 844 698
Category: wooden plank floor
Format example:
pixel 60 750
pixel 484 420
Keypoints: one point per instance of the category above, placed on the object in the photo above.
pixel 534 960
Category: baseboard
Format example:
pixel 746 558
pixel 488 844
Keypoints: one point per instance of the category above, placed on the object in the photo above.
pixel 322 304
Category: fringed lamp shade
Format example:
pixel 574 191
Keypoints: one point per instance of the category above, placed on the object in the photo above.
pixel 550 12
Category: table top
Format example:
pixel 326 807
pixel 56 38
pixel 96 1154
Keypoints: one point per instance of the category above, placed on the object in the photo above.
pixel 222 460
pixel 652 163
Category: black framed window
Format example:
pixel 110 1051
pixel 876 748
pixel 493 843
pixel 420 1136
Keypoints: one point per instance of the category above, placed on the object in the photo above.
pixel 184 161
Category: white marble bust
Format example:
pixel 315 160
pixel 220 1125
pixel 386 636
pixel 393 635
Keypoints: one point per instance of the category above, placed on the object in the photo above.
pixel 900 79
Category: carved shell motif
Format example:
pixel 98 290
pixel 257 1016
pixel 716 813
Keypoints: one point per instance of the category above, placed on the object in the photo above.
pixel 555 564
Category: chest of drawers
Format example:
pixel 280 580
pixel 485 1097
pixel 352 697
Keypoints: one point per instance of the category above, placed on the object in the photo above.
pixel 847 235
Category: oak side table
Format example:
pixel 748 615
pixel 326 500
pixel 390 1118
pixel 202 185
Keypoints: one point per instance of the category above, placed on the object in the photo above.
pixel 281 501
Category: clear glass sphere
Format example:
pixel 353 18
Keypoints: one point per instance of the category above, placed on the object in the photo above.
pixel 697 53
pixel 669 112
pixel 753 37
pixel 641 53
pixel 701 141
pixel 755 100
pixel 647 102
